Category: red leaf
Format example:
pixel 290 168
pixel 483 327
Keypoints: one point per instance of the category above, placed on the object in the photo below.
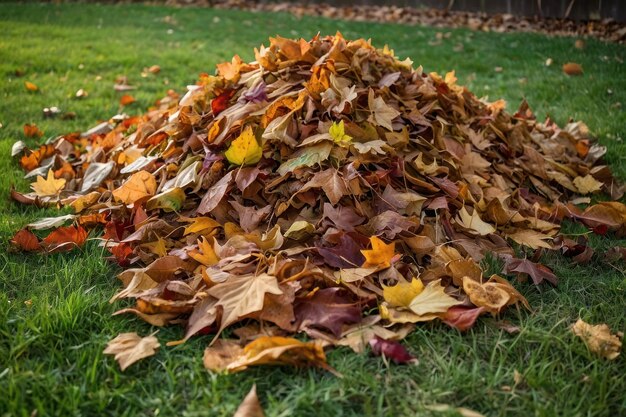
pixel 65 239
pixel 121 253
pixel 462 318
pixel 220 103
pixel 26 240
pixel 392 350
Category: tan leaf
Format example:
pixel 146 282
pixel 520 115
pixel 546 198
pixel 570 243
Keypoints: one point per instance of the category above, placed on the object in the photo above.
pixel 474 222
pixel 242 295
pixel 128 348
pixel 530 238
pixel 140 184
pixel 250 406
pixel 488 295
pixel 49 186
pixel 587 184
pixel 599 339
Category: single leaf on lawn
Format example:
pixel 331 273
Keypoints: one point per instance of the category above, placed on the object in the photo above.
pixel 32 131
pixel 599 339
pixel 26 240
pixel 432 299
pixel 401 294
pixel 128 348
pixel 65 239
pixel 462 318
pixel 250 406
pixel 127 99
pixel 572 68
pixel 30 86
pixel 245 149
pixel 241 295
pixel 380 255
pixel 537 272
pixel 141 184
pixel 391 349
pixel 49 186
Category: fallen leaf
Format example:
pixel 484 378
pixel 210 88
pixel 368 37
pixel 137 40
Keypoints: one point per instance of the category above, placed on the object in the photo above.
pixel 49 186
pixel 381 254
pixel 462 318
pixel 392 350
pixel 250 406
pixel 474 222
pixel 128 348
pixel 432 299
pixel 488 295
pixel 65 239
pixel 401 294
pixel 127 99
pixel 537 272
pixel 245 149
pixel 572 68
pixel 599 339
pixel 32 131
pixel 338 134
pixel 587 184
pixel 30 86
pixel 141 184
pixel 26 240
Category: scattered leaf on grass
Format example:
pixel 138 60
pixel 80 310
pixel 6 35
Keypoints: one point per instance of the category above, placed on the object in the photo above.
pixel 572 68
pixel 250 406
pixel 599 339
pixel 128 348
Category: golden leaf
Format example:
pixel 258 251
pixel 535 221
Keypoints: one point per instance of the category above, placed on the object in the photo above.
pixel 380 255
pixel 598 339
pixel 206 255
pixel 474 222
pixel 140 184
pixel 245 149
pixel 401 294
pixel 49 186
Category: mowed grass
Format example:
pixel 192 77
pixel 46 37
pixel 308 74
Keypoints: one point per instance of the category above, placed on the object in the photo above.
pixel 54 316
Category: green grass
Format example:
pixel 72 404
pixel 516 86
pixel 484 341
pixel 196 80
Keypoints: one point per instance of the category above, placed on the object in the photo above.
pixel 51 357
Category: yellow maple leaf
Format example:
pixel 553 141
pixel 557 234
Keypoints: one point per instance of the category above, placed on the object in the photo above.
pixel 140 184
pixel 401 294
pixel 380 255
pixel 206 255
pixel 433 299
pixel 49 186
pixel 337 131
pixel 599 339
pixel 157 247
pixel 245 149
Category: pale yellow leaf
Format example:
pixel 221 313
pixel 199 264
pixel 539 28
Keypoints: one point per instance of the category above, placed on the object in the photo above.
pixel 599 339
pixel 433 299
pixel 49 186
pixel 128 348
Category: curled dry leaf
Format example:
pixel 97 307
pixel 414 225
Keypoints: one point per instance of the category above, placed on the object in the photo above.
pixel 250 406
pixel 599 339
pixel 128 348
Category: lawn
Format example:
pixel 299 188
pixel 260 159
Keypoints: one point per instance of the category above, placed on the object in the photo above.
pixel 54 316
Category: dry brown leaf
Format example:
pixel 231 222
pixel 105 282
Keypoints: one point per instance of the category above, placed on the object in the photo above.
pixel 250 406
pixel 128 348
pixel 572 68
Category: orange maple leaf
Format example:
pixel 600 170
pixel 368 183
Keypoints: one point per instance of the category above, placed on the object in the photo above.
pixel 381 254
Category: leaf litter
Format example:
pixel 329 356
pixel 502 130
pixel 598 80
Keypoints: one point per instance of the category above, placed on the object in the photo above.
pixel 327 188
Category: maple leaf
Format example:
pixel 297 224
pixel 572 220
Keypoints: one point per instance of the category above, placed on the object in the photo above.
pixel 206 254
pixel 49 186
pixel 537 272
pixel 401 294
pixel 128 348
pixel 599 339
pixel 530 238
pixel 338 134
pixel 241 295
pixel 331 182
pixel 141 184
pixel 432 299
pixel 381 254
pixel 381 113
pixel 587 184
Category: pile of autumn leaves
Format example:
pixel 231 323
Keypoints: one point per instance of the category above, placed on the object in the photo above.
pixel 326 188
